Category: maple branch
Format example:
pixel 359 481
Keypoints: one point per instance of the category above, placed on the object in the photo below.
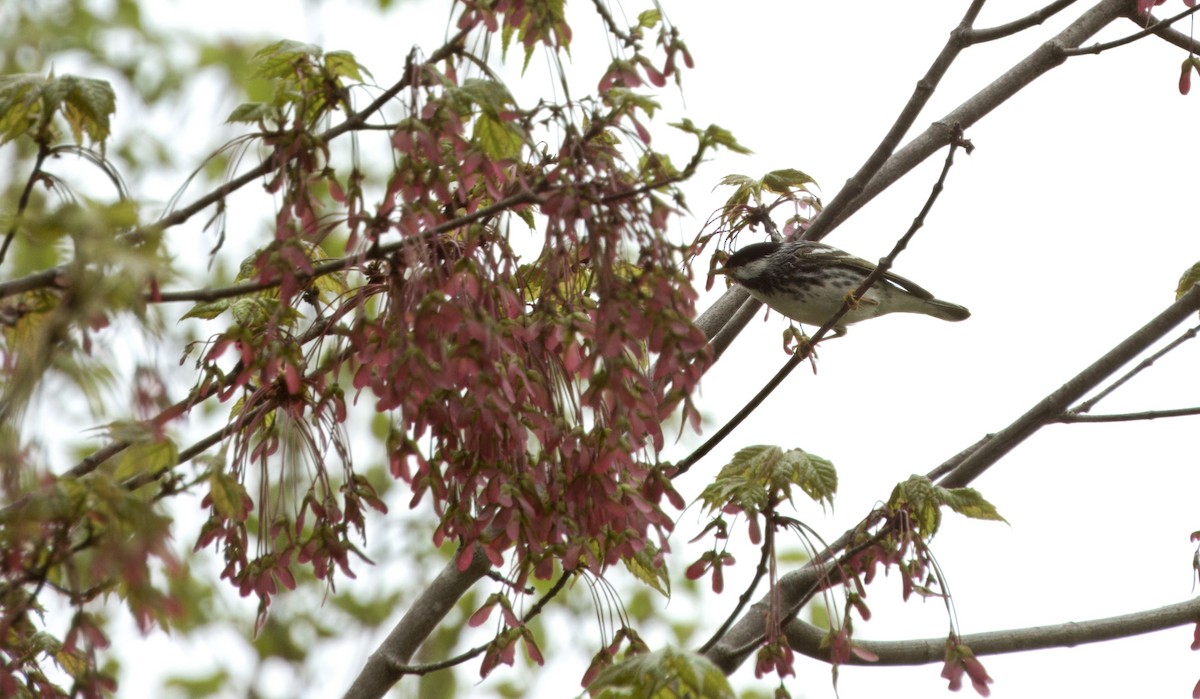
pixel 806 639
pixel 354 121
pixel 426 668
pixel 1044 58
pixel 1073 417
pixel 852 299
pixel 1052 406
pixel 872 179
pixel 1035 18
pixel 343 263
pixel 384 666
pixel 854 188
pixel 797 587
pixel 23 202
pixel 1155 28
pixel 1169 34
pixel 1142 366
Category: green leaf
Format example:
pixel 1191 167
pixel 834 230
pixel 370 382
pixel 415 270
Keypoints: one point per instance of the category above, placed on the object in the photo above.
pixel 968 502
pixel 712 136
pixel 490 96
pixel 278 59
pixel 208 309
pixel 228 497
pixel 624 99
pixel 923 501
pixel 203 686
pixel 718 136
pixel 785 181
pixel 663 674
pixel 1188 280
pixel 254 113
pixel 760 476
pixel 919 497
pixel 342 64
pixel 27 102
pixel 20 105
pixel 87 104
pixel 649 18
pixel 499 140
pixel 149 456
pixel 647 566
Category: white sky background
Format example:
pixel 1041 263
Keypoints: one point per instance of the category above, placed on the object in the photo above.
pixel 1063 233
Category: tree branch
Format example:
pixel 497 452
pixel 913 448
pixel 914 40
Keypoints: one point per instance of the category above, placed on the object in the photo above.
pixel 385 666
pixel 1169 34
pixel 805 352
pixel 1072 416
pixel 1035 18
pixel 806 638
pixel 1142 366
pixel 840 206
pixel 343 263
pixel 854 196
pixel 1055 404
pixel 1043 59
pixel 1156 28
pixel 354 121
pixel 23 202
pixel 797 587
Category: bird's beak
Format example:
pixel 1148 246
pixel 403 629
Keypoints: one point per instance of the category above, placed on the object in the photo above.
pixel 721 270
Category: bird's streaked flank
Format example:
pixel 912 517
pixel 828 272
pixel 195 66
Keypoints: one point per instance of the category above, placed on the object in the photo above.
pixel 808 282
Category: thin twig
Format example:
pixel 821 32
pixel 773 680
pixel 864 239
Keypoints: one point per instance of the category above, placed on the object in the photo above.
pixel 925 87
pixel 343 263
pixel 1073 417
pixel 1033 19
pixel 806 639
pixel 1052 406
pixel 353 122
pixel 744 598
pixel 805 351
pixel 1152 29
pixel 1168 34
pixel 1142 366
pixel 23 202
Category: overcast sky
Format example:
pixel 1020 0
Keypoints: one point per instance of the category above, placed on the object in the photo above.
pixel 1064 232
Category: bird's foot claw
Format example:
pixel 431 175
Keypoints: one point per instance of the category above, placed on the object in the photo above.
pixel 796 342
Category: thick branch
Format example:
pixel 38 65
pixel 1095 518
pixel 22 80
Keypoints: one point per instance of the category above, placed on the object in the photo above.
pixel 1142 366
pixel 840 205
pixel 806 351
pixel 1168 33
pixel 1157 27
pixel 806 638
pixel 797 587
pixel 385 666
pixel 856 195
pixel 1043 59
pixel 1055 404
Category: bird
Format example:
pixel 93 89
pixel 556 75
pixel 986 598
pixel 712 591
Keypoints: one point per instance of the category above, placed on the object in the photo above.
pixel 809 281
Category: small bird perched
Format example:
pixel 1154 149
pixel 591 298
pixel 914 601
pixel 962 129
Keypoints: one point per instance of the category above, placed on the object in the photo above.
pixel 808 282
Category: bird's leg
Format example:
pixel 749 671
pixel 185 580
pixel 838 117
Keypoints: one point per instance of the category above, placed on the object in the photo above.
pixel 795 341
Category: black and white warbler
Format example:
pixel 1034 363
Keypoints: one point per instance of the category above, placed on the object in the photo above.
pixel 808 282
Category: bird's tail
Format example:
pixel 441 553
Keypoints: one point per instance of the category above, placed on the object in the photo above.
pixel 946 310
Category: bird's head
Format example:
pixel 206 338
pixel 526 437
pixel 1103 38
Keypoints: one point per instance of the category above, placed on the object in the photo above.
pixel 749 262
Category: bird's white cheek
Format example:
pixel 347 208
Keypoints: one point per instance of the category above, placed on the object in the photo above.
pixel 752 270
